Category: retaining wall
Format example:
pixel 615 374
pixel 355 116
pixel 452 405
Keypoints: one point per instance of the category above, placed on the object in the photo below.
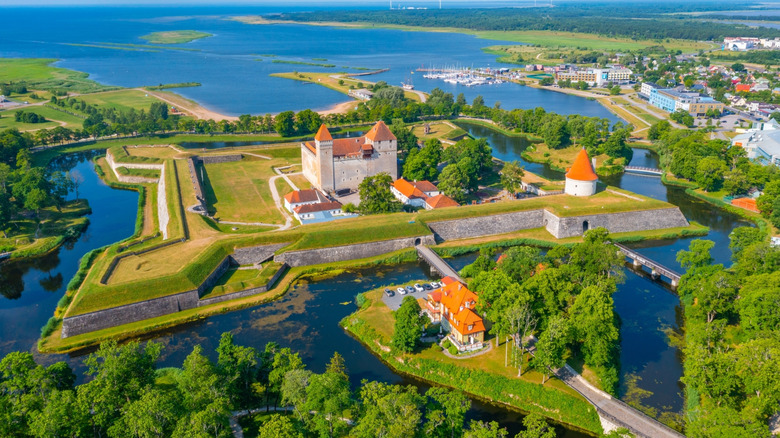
pixel 255 254
pixel 216 159
pixel 101 319
pixel 351 252
pixel 617 222
pixel 246 292
pixel 487 225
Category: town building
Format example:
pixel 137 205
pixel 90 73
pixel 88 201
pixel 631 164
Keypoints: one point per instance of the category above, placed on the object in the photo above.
pixel 647 88
pixel 581 180
pixel 420 194
pixel 311 206
pixel 674 99
pixel 332 165
pixel 595 76
pixel 761 143
pixel 739 43
pixel 454 306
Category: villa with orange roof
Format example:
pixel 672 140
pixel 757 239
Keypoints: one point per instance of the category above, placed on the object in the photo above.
pixel 581 179
pixel 420 194
pixel 336 164
pixel 454 306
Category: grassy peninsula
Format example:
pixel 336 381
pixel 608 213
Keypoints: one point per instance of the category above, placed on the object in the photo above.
pixel 175 36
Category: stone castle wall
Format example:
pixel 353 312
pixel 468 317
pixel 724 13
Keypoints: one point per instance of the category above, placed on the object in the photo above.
pixel 216 159
pixel 350 252
pixel 618 222
pixel 487 225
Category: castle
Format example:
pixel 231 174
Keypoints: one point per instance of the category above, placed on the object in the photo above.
pixel 336 164
pixel 581 180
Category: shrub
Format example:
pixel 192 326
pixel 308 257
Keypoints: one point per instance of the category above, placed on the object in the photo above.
pixel 51 324
pixel 360 299
pixel 446 344
pixel 453 350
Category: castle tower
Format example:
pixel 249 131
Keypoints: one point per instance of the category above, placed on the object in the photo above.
pixel 385 144
pixel 323 142
pixel 581 180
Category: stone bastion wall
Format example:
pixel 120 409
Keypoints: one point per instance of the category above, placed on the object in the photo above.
pixel 351 252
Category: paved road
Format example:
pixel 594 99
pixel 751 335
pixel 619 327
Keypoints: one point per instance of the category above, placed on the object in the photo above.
pixel 615 410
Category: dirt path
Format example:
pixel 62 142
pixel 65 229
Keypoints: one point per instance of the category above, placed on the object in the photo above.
pixel 278 200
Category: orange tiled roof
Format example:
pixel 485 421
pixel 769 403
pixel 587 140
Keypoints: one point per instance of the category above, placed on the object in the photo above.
pixel 441 201
pixel 408 189
pixel 380 132
pixel 309 195
pixel 323 134
pixel 311 147
pixel 582 170
pixel 447 280
pixel 460 302
pixel 344 147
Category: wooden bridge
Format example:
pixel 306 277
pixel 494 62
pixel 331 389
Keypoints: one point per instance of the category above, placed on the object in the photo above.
pixel 437 263
pixel 647 170
pixel 657 270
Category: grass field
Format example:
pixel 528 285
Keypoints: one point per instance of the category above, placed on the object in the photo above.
pixel 52 116
pixel 175 36
pixel 561 158
pixel 326 80
pixel 39 74
pixel 239 191
pixel 25 235
pixel 121 99
pixel 440 130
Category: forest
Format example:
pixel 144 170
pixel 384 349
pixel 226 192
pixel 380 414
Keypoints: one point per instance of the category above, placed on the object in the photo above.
pixel 638 20
pixel 126 395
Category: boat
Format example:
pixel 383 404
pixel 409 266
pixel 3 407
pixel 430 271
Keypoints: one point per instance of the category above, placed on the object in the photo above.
pixel 408 84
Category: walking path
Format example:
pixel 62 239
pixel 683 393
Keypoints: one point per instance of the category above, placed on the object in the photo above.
pixel 288 221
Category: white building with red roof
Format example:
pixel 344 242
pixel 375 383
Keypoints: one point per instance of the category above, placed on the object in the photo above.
pixel 420 194
pixel 311 206
pixel 342 163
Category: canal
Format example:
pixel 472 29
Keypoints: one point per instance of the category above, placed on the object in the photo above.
pixel 306 319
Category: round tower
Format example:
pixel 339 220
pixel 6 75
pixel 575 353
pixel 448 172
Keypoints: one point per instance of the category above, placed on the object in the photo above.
pixel 581 180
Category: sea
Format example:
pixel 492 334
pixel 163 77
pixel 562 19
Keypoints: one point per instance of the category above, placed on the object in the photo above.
pixel 234 64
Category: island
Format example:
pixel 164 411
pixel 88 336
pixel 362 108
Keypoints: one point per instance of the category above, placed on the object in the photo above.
pixel 175 36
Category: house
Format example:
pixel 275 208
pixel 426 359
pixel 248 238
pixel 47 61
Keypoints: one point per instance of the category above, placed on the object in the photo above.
pixel 311 206
pixel 303 197
pixel 321 212
pixel 413 193
pixel 332 164
pixel 420 194
pixel 761 144
pixel 454 305
pixel 739 88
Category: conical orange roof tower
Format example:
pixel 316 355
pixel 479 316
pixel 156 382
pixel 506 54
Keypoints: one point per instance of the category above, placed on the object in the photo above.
pixel 582 170
pixel 323 134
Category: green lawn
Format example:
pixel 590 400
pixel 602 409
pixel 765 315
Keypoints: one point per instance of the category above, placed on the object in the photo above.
pixel 25 236
pixel 122 99
pixel 39 74
pixel 175 36
pixel 239 191
pixel 52 116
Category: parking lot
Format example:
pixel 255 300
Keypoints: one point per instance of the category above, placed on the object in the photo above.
pixel 394 302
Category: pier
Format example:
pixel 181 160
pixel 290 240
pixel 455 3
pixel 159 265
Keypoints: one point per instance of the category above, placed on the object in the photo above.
pixel 437 263
pixel 657 270
pixel 646 170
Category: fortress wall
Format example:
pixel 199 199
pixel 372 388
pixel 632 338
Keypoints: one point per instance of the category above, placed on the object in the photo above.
pixel 350 252
pixel 487 225
pixel 246 292
pixel 101 319
pixel 619 222
pixel 216 159
pixel 255 254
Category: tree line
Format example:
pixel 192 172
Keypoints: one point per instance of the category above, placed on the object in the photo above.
pixel 126 395
pixel 715 165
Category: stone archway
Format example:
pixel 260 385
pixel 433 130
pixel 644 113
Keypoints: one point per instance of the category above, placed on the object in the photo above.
pixel 585 226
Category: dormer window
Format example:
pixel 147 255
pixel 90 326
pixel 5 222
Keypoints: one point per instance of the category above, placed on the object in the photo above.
pixel 471 326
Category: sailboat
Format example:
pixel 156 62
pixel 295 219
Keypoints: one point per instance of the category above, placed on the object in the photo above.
pixel 407 85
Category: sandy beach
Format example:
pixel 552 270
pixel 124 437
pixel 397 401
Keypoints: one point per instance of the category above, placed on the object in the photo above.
pixel 339 108
pixel 188 106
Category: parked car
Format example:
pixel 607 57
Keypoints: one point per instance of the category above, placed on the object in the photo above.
pixel 389 293
pixel 418 288
pixel 401 291
pixel 409 289
pixel 427 286
pixel 435 284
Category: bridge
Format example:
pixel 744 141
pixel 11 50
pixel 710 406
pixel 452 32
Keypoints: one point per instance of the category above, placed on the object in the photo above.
pixel 437 263
pixel 646 170
pixel 657 270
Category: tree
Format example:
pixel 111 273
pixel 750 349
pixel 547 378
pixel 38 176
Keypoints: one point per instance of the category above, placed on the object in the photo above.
pixel 328 395
pixel 480 429
pixel 284 360
pixel 422 164
pixel 293 391
pixel 238 366
pixel 709 173
pixel 551 346
pixel 306 122
pixel 512 177
pixel 453 182
pixel 406 138
pixel 446 412
pixel 758 303
pixel 284 123
pixel 536 427
pixel 743 237
pixel 76 178
pixel 212 421
pixel 61 417
pixel 594 325
pixel 408 325
pixel 154 415
pixel 738 67
pixel 278 426
pixel 375 195
pixel 388 411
